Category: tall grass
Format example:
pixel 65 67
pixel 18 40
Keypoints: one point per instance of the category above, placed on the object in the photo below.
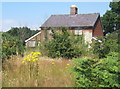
pixel 51 73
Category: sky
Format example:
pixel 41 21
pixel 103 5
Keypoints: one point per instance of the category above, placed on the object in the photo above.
pixel 34 14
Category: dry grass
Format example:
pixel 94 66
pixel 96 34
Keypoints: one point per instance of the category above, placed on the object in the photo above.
pixel 16 74
pixel 0 79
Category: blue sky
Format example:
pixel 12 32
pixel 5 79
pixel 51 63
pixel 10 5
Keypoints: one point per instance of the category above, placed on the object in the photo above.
pixel 33 14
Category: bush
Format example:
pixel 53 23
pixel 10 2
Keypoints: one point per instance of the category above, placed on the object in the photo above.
pixel 100 49
pixel 63 45
pixel 97 72
pixel 109 44
pixel 11 46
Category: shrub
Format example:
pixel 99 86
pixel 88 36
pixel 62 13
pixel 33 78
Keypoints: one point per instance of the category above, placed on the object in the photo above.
pixel 63 45
pixel 97 72
pixel 111 40
pixel 109 44
pixel 100 49
pixel 11 46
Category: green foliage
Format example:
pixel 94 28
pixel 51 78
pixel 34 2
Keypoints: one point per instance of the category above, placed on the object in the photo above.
pixel 1 45
pixel 100 49
pixel 115 6
pixel 108 21
pixel 13 41
pixel 22 33
pixel 109 44
pixel 111 19
pixel 64 45
pixel 97 72
pixel 11 46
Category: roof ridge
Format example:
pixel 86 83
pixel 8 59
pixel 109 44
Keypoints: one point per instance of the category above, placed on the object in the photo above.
pixel 75 14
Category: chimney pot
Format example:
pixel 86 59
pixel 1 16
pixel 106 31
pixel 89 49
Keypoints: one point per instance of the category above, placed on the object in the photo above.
pixel 73 10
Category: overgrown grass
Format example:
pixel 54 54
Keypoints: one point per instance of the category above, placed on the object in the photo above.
pixel 51 73
pixel 0 79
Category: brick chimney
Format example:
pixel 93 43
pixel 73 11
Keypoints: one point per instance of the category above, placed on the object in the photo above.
pixel 73 10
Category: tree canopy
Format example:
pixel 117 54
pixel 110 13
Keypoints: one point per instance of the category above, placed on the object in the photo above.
pixel 22 33
pixel 111 19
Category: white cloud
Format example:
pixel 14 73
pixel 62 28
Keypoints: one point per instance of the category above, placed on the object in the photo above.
pixel 34 27
pixel 8 23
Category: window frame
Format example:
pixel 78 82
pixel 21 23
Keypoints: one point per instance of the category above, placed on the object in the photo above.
pixel 78 31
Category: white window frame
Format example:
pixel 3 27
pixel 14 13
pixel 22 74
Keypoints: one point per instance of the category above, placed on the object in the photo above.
pixel 50 32
pixel 78 31
pixel 31 43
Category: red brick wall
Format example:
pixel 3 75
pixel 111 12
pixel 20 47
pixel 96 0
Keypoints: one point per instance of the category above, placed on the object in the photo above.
pixel 98 30
pixel 69 30
pixel 89 30
pixel 86 29
pixel 43 33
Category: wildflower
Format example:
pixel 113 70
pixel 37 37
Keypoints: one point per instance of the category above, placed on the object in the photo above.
pixel 33 60
pixel 28 56
pixel 66 67
pixel 28 59
pixel 31 52
pixel 53 63
pixel 33 56
pixel 36 59
pixel 39 53
pixel 23 61
pixel 68 64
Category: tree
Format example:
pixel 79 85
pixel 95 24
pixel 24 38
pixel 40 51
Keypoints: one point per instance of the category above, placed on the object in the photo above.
pixel 13 41
pixel 22 33
pixel 115 7
pixel 108 21
pixel 11 46
pixel 111 19
pixel 97 72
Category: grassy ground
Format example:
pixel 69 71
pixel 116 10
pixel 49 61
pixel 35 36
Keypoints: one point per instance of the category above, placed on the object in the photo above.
pixel 0 79
pixel 48 73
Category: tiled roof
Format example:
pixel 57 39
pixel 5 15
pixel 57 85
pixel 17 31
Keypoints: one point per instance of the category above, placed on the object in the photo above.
pixel 78 20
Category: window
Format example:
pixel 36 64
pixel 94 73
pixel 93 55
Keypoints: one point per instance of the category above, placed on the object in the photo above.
pixel 38 43
pixel 31 43
pixel 78 31
pixel 50 32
